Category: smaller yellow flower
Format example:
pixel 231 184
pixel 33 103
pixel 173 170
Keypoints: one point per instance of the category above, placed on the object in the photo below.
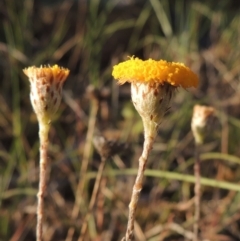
pixel 46 89
pixel 150 71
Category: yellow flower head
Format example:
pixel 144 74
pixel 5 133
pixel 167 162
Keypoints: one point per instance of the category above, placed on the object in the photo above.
pixel 150 71
pixel 46 89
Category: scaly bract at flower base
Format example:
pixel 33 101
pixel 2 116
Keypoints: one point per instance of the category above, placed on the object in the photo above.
pixel 46 89
pixel 151 71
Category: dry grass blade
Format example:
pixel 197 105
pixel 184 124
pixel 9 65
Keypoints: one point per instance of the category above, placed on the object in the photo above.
pixel 85 161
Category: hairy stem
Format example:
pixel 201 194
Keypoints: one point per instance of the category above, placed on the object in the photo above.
pixel 197 192
pixel 147 147
pixel 43 136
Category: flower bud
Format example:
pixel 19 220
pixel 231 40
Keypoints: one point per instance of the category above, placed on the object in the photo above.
pixel 46 90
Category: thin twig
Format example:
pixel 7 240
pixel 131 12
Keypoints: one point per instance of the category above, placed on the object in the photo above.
pixel 83 171
pixel 43 135
pixel 93 198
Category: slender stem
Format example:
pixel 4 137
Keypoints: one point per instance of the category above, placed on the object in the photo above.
pixel 148 143
pixel 93 198
pixel 197 192
pixel 43 136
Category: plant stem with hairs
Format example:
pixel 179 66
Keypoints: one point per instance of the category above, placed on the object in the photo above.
pixel 43 136
pixel 197 192
pixel 147 147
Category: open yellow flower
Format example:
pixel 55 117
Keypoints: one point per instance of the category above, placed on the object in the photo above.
pixel 150 71
pixel 152 86
pixel 46 89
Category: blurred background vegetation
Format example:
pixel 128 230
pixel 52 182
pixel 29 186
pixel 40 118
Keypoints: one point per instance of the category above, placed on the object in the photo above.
pixel 89 37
